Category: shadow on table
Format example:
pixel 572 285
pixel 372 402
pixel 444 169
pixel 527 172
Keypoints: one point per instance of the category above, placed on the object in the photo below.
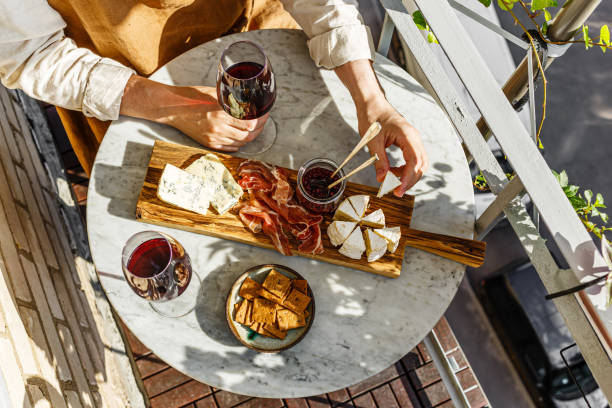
pixel 122 184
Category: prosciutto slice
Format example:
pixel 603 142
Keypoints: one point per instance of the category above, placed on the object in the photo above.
pixel 272 209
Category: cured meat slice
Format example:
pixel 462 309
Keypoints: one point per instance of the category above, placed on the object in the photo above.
pixel 313 244
pixel 271 226
pixel 293 213
pixel 255 181
pixel 283 192
pixel 252 222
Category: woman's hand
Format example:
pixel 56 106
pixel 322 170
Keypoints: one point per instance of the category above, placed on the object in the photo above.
pixel 195 111
pixel 395 131
pixel 371 104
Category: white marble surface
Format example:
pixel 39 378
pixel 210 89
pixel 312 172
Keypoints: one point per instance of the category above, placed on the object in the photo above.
pixel 364 322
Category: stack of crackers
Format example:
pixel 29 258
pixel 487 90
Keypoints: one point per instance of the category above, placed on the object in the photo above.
pixel 272 308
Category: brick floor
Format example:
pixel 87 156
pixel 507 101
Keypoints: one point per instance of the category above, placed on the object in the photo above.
pixel 413 382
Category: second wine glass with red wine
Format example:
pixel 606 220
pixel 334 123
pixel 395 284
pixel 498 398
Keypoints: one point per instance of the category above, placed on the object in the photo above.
pixel 246 89
pixel 158 269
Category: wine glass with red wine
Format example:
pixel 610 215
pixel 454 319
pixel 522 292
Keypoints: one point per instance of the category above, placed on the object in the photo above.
pixel 246 89
pixel 158 269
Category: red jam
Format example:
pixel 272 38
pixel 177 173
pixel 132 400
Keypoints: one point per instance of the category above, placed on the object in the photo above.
pixel 316 180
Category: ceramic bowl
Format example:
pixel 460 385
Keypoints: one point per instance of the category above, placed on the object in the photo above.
pixel 248 337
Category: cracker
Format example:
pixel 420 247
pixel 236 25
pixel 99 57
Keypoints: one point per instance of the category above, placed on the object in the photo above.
pixel 296 301
pixel 267 295
pixel 249 316
pixel 301 285
pixel 258 327
pixel 288 320
pixel 241 313
pixel 277 284
pixel 275 331
pixel 249 289
pixel 264 311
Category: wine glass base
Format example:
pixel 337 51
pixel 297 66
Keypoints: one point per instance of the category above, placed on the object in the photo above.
pixel 263 142
pixel 181 305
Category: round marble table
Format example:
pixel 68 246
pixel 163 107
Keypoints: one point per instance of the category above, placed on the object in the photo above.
pixel 364 322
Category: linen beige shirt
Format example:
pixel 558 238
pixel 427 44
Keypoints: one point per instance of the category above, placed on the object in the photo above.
pixel 37 57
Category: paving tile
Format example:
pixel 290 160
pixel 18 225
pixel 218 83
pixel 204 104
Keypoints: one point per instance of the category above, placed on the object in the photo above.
pixel 138 349
pixel 208 402
pixel 365 401
pixel 72 398
pixel 33 326
pixel 476 398
pixel 38 398
pixel 447 404
pixel 11 174
pixel 296 403
pixel 163 381
pixel 182 395
pixel 11 214
pixel 262 403
pixel 374 381
pixel 433 395
pixel 318 401
pixel 466 379
pixel 75 365
pixel 227 399
pixel 445 335
pixel 150 365
pixel 75 328
pixel 12 374
pixel 457 360
pixel 338 396
pixel 46 319
pixel 424 376
pixel 425 356
pixel 404 393
pixel 384 397
pixel 412 360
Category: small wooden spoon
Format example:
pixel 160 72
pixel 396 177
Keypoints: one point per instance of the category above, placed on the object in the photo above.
pixel 370 134
pixel 359 168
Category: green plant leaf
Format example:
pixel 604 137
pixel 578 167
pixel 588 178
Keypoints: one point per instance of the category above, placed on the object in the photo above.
pixel 431 37
pixel 563 180
pixel 505 4
pixel 589 225
pixel 570 191
pixel 540 4
pixel 544 31
pixel 604 36
pixel 599 200
pixel 585 35
pixel 485 3
pixel 547 16
pixel 578 202
pixel 588 195
pixel 604 217
pixel 419 20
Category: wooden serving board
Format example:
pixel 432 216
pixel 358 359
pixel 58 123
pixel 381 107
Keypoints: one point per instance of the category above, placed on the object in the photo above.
pixel 398 212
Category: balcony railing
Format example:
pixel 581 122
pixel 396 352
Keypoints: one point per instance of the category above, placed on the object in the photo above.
pixel 584 312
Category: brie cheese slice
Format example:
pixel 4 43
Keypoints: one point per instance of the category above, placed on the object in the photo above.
pixel 359 203
pixel 375 219
pixel 226 191
pixel 391 235
pixel 185 190
pixel 390 183
pixel 346 212
pixel 354 245
pixel 338 231
pixel 376 246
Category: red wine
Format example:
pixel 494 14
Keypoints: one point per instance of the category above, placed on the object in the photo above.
pixel 159 269
pixel 150 258
pixel 246 90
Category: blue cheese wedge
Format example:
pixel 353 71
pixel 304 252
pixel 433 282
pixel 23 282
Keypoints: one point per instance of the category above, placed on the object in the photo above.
pixel 185 190
pixel 354 245
pixel 391 235
pixel 225 190
pixel 346 212
pixel 390 183
pixel 375 219
pixel 338 231
pixel 359 203
pixel 376 246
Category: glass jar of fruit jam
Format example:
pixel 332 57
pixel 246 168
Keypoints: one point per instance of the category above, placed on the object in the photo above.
pixel 313 178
